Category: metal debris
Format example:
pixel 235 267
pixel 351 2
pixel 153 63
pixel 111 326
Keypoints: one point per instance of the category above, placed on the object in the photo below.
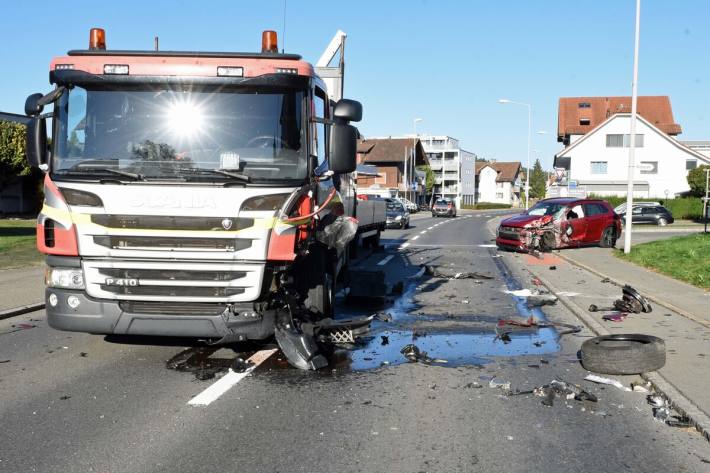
pixel 412 353
pixel 631 302
pixel 434 272
pixel 562 389
pixel 612 382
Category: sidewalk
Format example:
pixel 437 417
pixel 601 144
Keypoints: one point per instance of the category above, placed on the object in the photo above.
pixel 20 287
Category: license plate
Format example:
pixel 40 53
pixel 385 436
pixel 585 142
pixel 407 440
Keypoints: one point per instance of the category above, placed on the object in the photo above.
pixel 121 282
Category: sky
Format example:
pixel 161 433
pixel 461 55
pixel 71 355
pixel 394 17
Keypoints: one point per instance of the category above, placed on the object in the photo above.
pixel 446 61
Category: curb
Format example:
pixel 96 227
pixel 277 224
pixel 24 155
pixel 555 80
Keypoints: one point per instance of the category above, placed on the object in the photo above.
pixel 6 314
pixel 653 299
pixel 677 399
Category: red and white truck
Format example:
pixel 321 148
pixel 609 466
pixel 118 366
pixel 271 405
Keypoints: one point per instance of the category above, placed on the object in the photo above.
pixel 197 194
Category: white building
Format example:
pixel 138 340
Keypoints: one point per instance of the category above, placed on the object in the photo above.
pixel 598 160
pixel 453 168
pixel 702 147
pixel 498 182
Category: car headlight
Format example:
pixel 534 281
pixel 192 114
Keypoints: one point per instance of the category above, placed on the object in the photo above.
pixel 398 217
pixel 65 278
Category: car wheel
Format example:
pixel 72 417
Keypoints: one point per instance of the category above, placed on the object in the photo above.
pixel 662 222
pixel 321 284
pixel 608 239
pixel 407 224
pixel 433 215
pixel 623 354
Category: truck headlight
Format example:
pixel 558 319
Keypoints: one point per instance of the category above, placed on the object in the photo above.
pixel 398 217
pixel 65 278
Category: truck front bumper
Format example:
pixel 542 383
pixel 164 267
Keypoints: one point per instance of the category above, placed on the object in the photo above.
pixel 235 322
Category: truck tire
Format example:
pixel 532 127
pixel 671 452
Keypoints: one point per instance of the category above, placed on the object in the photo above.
pixel 623 354
pixel 320 291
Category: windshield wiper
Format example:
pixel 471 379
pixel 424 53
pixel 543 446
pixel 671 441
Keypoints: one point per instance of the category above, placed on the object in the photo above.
pixel 94 171
pixel 233 175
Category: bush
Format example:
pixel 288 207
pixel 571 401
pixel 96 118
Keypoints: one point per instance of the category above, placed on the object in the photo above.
pixel 684 208
pixel 486 206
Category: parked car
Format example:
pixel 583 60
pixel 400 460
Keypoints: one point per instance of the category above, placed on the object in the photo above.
pixel 621 208
pixel 408 204
pixel 397 214
pixel 561 223
pixel 646 214
pixel 443 208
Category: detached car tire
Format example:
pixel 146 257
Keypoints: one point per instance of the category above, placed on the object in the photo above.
pixel 623 354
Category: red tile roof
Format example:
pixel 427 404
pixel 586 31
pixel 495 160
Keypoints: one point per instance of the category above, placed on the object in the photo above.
pixel 388 150
pixel 507 171
pixel 580 115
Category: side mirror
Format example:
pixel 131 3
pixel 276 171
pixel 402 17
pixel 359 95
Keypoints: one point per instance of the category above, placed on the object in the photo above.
pixel 348 110
pixel 343 147
pixel 36 144
pixel 32 105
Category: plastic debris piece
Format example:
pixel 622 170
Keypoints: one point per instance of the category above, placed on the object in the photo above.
pixel 384 316
pixel 641 388
pixel 434 272
pixel 612 382
pixel 615 317
pixel 505 386
pixel 412 353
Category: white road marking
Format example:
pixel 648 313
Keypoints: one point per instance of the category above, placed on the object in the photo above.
pixel 422 232
pixel 424 245
pixel 487 246
pixel 226 382
pixel 404 245
pixel 385 260
pixel 415 237
pixel 431 227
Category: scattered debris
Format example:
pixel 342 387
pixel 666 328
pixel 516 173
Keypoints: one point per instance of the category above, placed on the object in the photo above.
pixel 64 398
pixel 384 316
pixel 612 382
pixel 562 389
pixel 385 339
pixel 197 361
pixel 631 302
pixel 504 386
pixel 434 272
pixel 623 354
pixel 605 280
pixel 241 366
pixel 5 361
pixel 18 327
pixel 552 268
pixel 539 344
pixel 412 353
pixel 615 317
pixel 474 384
pixel 536 297
pixel 83 354
pixel 641 388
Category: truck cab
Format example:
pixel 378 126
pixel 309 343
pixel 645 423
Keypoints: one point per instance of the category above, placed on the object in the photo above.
pixel 200 194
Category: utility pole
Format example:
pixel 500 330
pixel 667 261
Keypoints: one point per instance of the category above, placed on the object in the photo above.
pixel 706 210
pixel 632 137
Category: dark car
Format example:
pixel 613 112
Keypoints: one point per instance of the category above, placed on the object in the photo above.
pixel 397 214
pixel 443 208
pixel 650 214
pixel 561 223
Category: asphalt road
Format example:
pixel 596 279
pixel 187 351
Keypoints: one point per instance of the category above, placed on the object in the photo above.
pixel 75 402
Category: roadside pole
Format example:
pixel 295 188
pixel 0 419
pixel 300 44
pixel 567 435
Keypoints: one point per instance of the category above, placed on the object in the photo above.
pixel 632 136
pixel 706 204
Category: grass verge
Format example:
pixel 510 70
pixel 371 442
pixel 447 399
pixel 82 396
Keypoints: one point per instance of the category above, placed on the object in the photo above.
pixel 17 244
pixel 686 258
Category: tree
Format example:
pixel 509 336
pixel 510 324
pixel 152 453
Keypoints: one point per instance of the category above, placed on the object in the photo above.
pixel 12 153
pixel 537 181
pixel 696 180
pixel 429 182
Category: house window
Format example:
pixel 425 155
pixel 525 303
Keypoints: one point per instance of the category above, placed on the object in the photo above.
pixel 584 105
pixel 690 164
pixel 619 141
pixel 649 167
pixel 598 167
pixel 584 121
pixel 499 195
pixel 499 185
pixel 614 141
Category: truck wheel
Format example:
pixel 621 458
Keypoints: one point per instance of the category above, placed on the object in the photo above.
pixel 623 354
pixel 321 283
pixel 608 239
pixel 374 240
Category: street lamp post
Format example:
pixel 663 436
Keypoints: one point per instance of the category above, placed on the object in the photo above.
pixel 632 135
pixel 412 167
pixel 527 172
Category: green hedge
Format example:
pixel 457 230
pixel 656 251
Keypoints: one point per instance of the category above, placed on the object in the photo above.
pixel 684 208
pixel 486 206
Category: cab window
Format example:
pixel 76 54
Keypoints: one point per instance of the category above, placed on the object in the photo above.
pixel 320 143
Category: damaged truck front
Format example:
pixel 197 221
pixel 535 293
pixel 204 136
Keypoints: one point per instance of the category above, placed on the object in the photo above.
pixel 193 194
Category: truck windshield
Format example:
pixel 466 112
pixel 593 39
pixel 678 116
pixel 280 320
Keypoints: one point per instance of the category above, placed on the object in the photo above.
pixel 208 135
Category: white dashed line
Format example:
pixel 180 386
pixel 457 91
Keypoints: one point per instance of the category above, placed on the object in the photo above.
pixel 415 237
pixel 422 232
pixel 226 382
pixel 487 246
pixel 385 260
pixel 431 227
pixel 404 245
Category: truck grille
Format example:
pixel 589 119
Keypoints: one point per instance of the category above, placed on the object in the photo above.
pixel 171 274
pixel 172 308
pixel 170 243
pixel 173 281
pixel 174 291
pixel 159 222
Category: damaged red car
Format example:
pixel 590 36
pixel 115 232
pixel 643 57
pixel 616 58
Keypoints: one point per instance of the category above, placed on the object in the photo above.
pixel 560 223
